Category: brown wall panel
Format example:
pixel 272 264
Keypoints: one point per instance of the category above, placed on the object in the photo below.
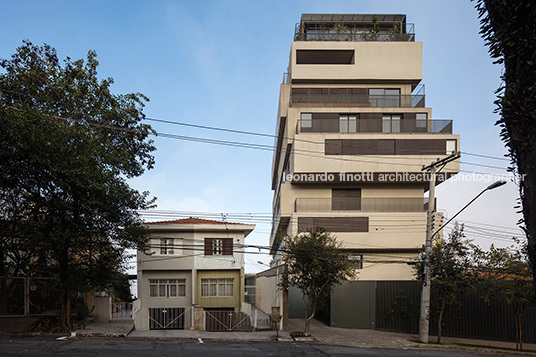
pixel 385 147
pixel 335 224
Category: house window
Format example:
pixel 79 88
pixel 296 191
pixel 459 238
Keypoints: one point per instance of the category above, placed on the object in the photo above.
pixel 451 146
pixel 391 123
pixel 166 246
pixel 356 261
pixel 421 120
pixel 347 123
pixel 217 287
pixel 384 97
pixel 166 288
pixel 218 246
pixel 306 120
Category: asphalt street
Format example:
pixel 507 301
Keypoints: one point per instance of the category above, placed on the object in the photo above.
pixel 49 346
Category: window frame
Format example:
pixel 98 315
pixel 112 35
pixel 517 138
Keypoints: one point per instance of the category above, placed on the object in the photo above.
pixel 165 286
pixel 306 120
pixel 209 285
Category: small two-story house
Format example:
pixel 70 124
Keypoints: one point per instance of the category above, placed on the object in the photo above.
pixel 193 265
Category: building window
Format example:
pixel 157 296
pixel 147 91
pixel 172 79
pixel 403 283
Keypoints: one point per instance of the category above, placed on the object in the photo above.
pixel 217 287
pixel 166 246
pixel 166 288
pixel 384 97
pixel 306 120
pixel 347 123
pixel 218 246
pixel 421 119
pixel 451 146
pixel 391 123
pixel 356 261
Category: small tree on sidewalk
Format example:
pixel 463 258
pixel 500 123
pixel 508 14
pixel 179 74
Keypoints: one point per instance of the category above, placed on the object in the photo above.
pixel 450 264
pixel 505 272
pixel 315 264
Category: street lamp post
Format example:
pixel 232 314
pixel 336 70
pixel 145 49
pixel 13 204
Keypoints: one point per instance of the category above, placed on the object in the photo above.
pixel 424 322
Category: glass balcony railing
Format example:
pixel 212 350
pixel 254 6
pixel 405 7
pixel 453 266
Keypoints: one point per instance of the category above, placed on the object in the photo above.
pixel 404 32
pixel 374 126
pixel 383 204
pixel 361 100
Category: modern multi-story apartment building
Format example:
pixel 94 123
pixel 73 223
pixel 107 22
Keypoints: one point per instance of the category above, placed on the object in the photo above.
pixel 194 266
pixel 353 132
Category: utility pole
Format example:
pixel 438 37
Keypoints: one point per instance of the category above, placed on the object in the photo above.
pixel 424 319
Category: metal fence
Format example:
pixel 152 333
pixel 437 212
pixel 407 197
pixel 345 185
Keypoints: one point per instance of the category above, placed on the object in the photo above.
pixel 29 295
pixel 395 307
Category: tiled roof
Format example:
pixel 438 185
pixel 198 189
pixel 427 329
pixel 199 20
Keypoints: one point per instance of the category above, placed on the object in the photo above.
pixel 192 220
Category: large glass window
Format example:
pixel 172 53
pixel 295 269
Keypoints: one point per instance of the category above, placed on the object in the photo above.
pixel 306 120
pixel 391 123
pixel 421 120
pixel 384 97
pixel 347 123
pixel 166 288
pixel 217 287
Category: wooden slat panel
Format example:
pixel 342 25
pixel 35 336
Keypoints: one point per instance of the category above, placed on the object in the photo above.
pixel 208 246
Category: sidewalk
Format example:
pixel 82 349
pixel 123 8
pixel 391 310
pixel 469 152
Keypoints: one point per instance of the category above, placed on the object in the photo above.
pixel 207 335
pixel 373 338
pixel 107 330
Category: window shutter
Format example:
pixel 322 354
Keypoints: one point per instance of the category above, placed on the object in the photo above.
pixel 227 246
pixel 208 246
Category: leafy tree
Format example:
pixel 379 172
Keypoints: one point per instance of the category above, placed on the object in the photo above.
pixel 509 29
pixel 315 264
pixel 506 272
pixel 68 146
pixel 450 264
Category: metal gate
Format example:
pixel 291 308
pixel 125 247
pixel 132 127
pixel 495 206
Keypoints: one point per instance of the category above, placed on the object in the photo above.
pixel 166 318
pixel 227 320
pixel 122 311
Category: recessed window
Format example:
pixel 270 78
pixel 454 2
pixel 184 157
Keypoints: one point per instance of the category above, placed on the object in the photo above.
pixel 421 120
pixel 356 261
pixel 167 288
pixel 167 246
pixel 217 287
pixel 391 123
pixel 325 56
pixel 218 246
pixel 451 146
pixel 306 120
pixel 347 123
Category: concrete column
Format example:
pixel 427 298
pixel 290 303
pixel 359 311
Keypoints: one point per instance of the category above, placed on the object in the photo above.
pixel 199 316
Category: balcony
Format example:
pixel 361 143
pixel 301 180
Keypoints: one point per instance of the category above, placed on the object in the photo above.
pixel 354 27
pixel 331 97
pixel 413 126
pixel 383 204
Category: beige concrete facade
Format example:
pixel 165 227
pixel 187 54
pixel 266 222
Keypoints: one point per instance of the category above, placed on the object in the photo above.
pixel 378 162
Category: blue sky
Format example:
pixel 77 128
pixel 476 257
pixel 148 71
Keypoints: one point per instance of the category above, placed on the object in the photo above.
pixel 220 63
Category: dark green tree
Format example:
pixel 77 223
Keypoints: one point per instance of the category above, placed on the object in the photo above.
pixel 509 30
pixel 315 263
pixel 68 145
pixel 450 263
pixel 505 272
